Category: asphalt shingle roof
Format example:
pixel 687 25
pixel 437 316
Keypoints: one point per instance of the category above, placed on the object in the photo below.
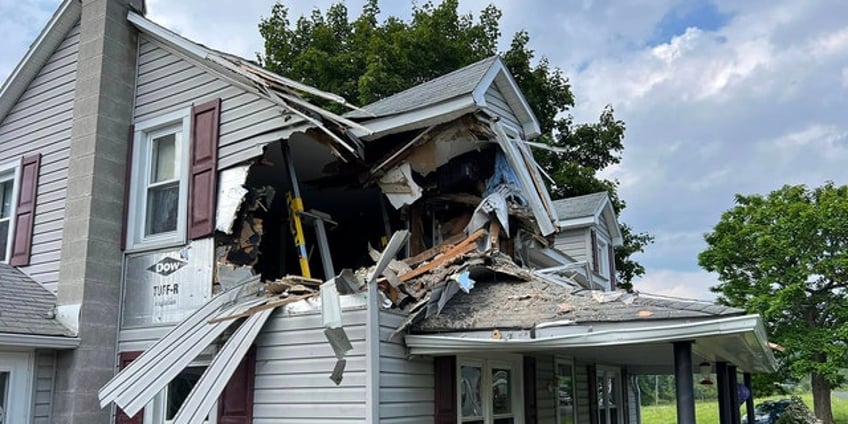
pixel 26 306
pixel 459 82
pixel 519 304
pixel 580 206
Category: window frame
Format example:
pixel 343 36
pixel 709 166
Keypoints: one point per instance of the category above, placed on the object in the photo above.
pixel 145 132
pixel 602 251
pixel 487 363
pixel 570 364
pixel 154 412
pixel 11 170
pixel 603 371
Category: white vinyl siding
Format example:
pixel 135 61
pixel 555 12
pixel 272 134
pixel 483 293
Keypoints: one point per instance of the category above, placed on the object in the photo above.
pixel 40 122
pixel 168 82
pixel 406 384
pixel 574 243
pixel 497 105
pixel 293 366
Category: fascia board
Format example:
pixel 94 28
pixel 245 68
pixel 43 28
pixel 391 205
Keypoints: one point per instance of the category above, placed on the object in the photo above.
pixel 569 224
pixel 35 341
pixel 149 27
pixel 433 345
pixel 612 221
pixel 427 116
pixel 38 54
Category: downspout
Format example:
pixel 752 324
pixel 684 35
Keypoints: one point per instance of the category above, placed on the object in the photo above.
pixel 372 355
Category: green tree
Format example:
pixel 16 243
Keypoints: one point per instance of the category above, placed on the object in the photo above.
pixel 785 256
pixel 365 60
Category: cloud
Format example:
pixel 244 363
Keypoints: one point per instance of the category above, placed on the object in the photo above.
pixel 684 284
pixel 20 23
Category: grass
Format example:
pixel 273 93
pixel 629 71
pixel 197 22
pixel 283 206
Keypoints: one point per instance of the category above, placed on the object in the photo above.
pixel 706 412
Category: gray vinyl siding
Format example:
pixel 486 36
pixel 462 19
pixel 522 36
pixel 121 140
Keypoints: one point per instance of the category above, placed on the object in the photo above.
pixel 581 389
pixel 45 371
pixel 293 366
pixel 167 82
pixel 406 385
pixel 633 407
pixel 573 243
pixel 497 105
pixel 40 122
pixel 546 400
pixel 140 339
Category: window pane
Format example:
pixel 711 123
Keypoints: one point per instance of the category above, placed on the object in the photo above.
pixel 509 420
pixel 501 396
pixel 163 159
pixel 162 206
pixel 471 403
pixel 565 394
pixel 179 388
pixel 6 188
pixel 4 390
pixel 4 237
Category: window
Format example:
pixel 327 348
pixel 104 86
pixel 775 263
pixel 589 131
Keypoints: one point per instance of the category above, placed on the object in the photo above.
pixel 159 184
pixel 168 403
pixel 566 412
pixel 609 395
pixel 603 257
pixel 489 391
pixel 8 201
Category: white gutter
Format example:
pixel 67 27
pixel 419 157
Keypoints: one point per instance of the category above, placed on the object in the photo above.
pixel 436 345
pixel 428 116
pixel 38 342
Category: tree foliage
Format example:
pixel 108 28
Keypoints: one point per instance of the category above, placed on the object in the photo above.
pixel 365 60
pixel 785 257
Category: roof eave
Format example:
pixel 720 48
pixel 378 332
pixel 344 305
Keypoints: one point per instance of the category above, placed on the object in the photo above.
pixel 65 17
pixel 418 118
pixel 529 123
pixel 36 341
pixel 613 224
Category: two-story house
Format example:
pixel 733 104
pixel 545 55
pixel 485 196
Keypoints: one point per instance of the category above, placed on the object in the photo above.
pixel 190 239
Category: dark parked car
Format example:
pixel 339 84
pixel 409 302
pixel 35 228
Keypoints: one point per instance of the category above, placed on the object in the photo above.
pixel 768 412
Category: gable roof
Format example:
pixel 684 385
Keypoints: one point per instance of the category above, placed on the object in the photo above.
pixel 51 36
pixel 588 209
pixel 448 97
pixel 26 308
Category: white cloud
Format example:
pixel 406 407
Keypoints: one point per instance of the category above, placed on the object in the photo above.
pixel 685 284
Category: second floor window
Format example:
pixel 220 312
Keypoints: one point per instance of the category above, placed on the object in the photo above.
pixel 159 183
pixel 8 200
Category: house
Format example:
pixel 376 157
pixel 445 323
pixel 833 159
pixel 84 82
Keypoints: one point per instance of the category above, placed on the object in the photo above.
pixel 193 240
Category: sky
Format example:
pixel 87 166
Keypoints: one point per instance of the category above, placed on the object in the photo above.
pixel 719 97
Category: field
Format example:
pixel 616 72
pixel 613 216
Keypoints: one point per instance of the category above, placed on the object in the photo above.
pixel 707 412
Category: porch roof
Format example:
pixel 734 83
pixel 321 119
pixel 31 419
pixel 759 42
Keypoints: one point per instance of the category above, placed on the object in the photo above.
pixel 26 313
pixel 537 316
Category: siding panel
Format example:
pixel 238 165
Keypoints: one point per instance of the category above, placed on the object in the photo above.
pixel 546 401
pixel 293 365
pixel 573 243
pixel 406 385
pixel 167 82
pixel 45 370
pixel 496 104
pixel 40 121
pixel 581 389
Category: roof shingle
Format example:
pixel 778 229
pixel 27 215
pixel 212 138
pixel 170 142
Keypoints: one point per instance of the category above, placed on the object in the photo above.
pixel 26 307
pixel 580 206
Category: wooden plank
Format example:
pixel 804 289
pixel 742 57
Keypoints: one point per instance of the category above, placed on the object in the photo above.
pixel 463 247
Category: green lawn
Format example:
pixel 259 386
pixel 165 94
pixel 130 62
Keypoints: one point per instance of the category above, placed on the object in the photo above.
pixel 707 412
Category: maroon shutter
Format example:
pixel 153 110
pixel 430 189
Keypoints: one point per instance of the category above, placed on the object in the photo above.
pixel 127 186
pixel 530 407
pixel 124 359
pixel 25 212
pixel 236 402
pixel 611 266
pixel 445 387
pixel 595 264
pixel 592 372
pixel 204 160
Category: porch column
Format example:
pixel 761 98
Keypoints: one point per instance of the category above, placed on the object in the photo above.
pixel 733 382
pixel 749 403
pixel 683 382
pixel 723 387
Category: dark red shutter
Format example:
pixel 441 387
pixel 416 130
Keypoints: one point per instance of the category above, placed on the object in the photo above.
pixel 127 186
pixel 611 266
pixel 236 403
pixel 124 359
pixel 595 264
pixel 592 372
pixel 204 160
pixel 530 407
pixel 445 387
pixel 25 212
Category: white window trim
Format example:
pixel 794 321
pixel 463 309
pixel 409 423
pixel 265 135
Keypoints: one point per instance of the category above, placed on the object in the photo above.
pixel 488 361
pixel 154 412
pixel 603 371
pixel 21 369
pixel 570 363
pixel 13 169
pixel 603 255
pixel 136 241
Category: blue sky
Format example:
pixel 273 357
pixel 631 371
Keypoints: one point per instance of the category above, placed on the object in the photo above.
pixel 720 97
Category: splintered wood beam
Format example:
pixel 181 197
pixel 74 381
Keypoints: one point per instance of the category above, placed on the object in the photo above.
pixel 270 305
pixel 435 250
pixel 462 248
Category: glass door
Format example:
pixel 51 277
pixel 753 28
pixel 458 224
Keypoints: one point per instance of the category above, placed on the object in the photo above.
pixel 609 395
